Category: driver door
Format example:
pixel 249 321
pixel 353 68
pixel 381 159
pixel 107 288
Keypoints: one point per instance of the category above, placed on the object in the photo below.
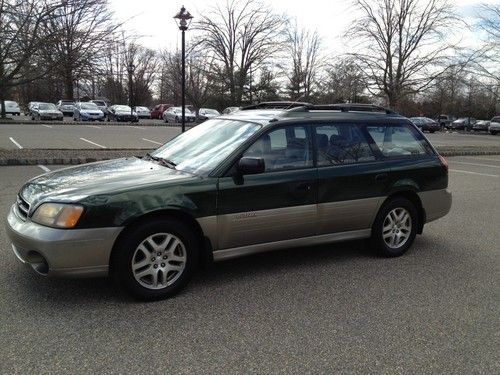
pixel 278 204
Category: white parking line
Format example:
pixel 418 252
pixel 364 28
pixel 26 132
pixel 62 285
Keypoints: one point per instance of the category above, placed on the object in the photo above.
pixel 135 127
pixel 93 126
pixel 93 143
pixel 476 173
pixel 476 164
pixel 44 168
pixel 14 141
pixel 485 159
pixel 47 126
pixel 149 140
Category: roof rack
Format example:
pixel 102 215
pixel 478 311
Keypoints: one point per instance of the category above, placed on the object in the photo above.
pixel 344 107
pixel 276 105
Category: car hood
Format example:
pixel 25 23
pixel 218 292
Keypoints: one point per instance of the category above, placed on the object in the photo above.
pixel 123 113
pixel 91 111
pixel 76 183
pixel 55 111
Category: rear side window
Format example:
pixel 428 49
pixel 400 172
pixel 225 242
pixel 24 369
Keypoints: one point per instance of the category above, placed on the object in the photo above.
pixel 398 141
pixel 342 144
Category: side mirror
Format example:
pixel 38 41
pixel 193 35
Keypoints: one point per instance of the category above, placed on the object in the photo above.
pixel 248 165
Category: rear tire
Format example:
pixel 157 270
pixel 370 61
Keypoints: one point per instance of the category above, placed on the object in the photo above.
pixel 395 227
pixel 155 259
pixel 493 132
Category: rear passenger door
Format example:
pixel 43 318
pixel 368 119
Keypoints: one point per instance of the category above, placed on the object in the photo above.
pixel 352 179
pixel 276 205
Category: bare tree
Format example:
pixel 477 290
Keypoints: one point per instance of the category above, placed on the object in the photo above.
pixel 85 27
pixel 23 37
pixel 401 44
pixel 304 48
pixel 146 64
pixel 343 82
pixel 240 35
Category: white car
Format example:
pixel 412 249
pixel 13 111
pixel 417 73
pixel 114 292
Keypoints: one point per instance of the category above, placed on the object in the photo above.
pixel 494 125
pixel 142 112
pixel 207 113
pixel 11 108
pixel 174 114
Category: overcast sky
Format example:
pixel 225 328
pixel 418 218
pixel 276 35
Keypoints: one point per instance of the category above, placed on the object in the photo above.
pixel 153 19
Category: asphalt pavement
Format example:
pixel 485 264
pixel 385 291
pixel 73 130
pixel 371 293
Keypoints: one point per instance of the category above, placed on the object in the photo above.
pixel 324 309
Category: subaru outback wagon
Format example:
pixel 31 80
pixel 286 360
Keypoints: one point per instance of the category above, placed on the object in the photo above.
pixel 243 183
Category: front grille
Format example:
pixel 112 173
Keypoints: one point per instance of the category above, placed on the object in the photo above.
pixel 23 207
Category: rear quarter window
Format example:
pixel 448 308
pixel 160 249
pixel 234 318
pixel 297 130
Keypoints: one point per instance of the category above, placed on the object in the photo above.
pixel 396 141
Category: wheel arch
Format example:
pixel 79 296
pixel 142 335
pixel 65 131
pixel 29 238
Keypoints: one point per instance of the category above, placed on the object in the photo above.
pixel 205 247
pixel 413 197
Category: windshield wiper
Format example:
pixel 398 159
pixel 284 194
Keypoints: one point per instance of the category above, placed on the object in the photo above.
pixel 162 161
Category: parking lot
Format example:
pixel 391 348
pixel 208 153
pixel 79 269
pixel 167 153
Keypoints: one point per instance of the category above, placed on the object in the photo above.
pixel 101 135
pixel 327 309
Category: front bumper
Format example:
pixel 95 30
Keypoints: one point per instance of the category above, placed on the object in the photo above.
pixel 61 252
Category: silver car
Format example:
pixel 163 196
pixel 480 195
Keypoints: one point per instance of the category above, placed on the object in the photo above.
pixel 66 107
pixel 87 112
pixel 495 125
pixel 174 114
pixel 45 111
pixel 207 113
pixel 143 112
pixel 11 108
pixel 102 105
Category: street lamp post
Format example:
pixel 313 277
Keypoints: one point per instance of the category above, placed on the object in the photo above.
pixel 130 68
pixel 183 19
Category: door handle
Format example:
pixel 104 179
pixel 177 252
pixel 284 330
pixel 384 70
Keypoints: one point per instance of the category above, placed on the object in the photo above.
pixel 381 177
pixel 303 187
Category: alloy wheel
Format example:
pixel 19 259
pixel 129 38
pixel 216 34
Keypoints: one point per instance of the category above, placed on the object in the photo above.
pixel 396 229
pixel 159 261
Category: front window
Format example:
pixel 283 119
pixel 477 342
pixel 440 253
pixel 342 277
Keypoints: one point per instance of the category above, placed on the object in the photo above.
pixel 205 146
pixel 88 106
pixel 283 148
pixel 47 107
pixel 123 108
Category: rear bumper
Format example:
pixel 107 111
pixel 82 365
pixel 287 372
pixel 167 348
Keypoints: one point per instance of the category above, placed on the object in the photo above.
pixel 436 203
pixel 61 252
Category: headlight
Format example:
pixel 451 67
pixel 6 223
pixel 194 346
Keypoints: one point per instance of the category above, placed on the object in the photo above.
pixel 57 215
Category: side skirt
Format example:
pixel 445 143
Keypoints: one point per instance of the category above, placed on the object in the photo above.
pixel 237 252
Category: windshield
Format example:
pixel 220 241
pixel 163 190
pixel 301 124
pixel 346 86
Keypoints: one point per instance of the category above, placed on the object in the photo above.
pixel 47 106
pixel 123 108
pixel 98 102
pixel 66 102
pixel 205 146
pixel 89 106
pixel 211 112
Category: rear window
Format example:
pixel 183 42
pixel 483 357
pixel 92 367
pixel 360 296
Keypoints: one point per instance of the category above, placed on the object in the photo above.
pixel 398 141
pixel 495 119
pixel 342 144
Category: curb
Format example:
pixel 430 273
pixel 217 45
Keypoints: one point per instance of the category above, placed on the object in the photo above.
pixel 82 160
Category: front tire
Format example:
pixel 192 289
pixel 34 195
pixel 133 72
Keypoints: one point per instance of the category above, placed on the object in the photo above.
pixel 156 259
pixel 395 227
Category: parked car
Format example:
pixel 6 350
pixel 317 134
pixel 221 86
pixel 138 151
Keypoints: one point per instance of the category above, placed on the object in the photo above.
pixel 30 106
pixel 45 111
pixel 445 121
pixel 102 105
pixel 120 112
pixel 229 110
pixel 87 111
pixel 464 123
pixel 174 114
pixel 67 107
pixel 481 125
pixel 495 125
pixel 207 113
pixel 143 112
pixel 11 108
pixel 232 186
pixel 426 124
pixel 158 110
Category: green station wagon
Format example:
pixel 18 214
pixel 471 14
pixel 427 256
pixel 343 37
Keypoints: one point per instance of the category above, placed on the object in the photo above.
pixel 247 182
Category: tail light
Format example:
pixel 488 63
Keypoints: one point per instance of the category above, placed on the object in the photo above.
pixel 444 162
